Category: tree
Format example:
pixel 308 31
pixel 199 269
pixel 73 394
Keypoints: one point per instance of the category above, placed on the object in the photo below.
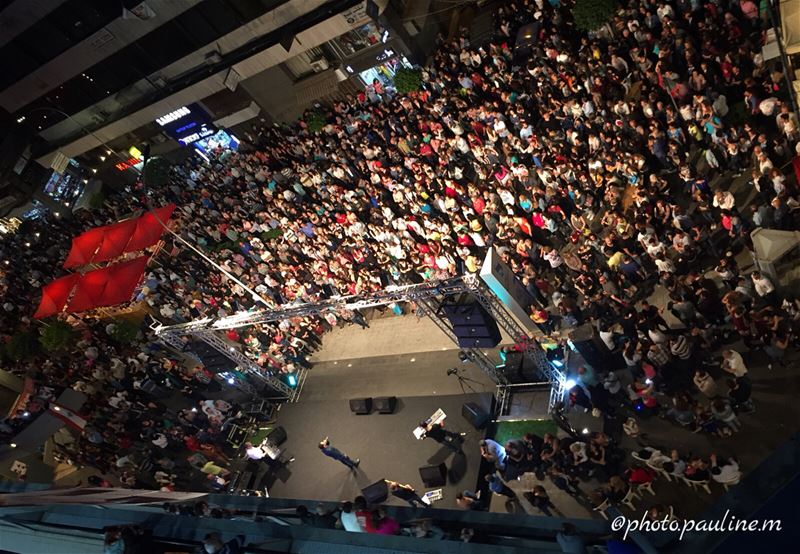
pixel 156 172
pixel 57 336
pixel 315 121
pixel 590 15
pixel 22 345
pixel 124 332
pixel 407 80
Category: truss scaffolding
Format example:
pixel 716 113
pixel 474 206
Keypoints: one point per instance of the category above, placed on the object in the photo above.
pixel 427 298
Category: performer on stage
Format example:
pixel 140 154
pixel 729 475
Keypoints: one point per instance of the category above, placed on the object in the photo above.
pixel 338 455
pixel 437 432
pixel 254 452
pixel 405 492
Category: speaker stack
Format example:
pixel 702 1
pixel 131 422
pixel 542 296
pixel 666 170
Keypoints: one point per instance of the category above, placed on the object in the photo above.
pixel 472 325
pixel 385 404
pixel 476 415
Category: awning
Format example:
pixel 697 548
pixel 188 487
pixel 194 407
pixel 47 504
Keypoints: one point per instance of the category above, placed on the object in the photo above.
pixel 149 228
pixel 115 241
pixel 84 246
pixel 55 295
pixel 108 286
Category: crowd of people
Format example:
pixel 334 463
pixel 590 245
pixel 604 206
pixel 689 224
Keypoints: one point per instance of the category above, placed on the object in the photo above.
pixel 598 167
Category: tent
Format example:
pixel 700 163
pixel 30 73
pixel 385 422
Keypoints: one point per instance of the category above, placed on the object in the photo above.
pixel 55 296
pixel 149 228
pixel 108 286
pixel 84 247
pixel 115 240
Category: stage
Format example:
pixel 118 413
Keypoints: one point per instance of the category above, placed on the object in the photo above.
pixel 384 443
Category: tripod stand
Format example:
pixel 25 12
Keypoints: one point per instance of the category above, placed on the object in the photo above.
pixel 464 382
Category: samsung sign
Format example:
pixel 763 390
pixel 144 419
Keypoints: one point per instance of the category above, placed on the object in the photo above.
pixel 187 124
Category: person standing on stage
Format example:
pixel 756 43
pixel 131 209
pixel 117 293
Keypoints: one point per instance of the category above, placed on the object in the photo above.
pixel 405 492
pixel 437 432
pixel 336 454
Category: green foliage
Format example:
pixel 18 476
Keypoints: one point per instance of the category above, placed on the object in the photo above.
pixel 97 200
pixel 407 80
pixel 315 121
pixel 590 15
pixel 124 331
pixel 156 172
pixel 58 335
pixel 23 345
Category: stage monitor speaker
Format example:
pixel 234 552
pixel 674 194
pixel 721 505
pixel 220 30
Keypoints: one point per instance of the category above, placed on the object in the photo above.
pixel 376 493
pixel 476 415
pixel 361 406
pixel 433 476
pixel 212 359
pixel 385 404
pixel 277 436
pixel 476 331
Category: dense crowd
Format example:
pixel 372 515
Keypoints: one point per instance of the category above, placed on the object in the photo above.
pixel 596 166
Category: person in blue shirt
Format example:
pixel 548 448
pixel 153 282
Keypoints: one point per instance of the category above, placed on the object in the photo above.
pixel 338 455
pixel 494 452
pixel 497 486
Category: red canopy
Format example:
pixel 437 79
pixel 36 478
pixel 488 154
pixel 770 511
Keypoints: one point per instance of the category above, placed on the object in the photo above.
pixel 84 246
pixel 55 295
pixel 149 229
pixel 115 240
pixel 108 286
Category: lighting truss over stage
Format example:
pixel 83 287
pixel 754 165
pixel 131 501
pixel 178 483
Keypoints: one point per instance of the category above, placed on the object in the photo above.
pixel 427 297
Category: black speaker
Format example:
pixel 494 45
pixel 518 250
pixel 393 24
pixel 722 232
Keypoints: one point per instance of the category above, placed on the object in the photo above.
pixel 473 324
pixel 475 415
pixel 434 476
pixel 480 342
pixel 277 436
pixel 213 360
pixel 287 40
pixel 361 406
pixel 376 493
pixel 373 12
pixel 385 404
pixel 589 346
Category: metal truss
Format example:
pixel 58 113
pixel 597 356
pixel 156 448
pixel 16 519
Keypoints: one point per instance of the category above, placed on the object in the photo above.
pixel 426 296
pixel 530 347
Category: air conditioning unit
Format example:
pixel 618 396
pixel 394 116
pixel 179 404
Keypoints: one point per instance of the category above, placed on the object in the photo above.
pixel 319 65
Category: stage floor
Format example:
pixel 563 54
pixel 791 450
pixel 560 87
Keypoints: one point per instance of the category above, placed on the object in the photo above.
pixel 384 443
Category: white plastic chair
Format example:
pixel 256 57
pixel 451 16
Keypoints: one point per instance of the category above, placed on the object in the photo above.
pixel 645 487
pixel 602 509
pixel 628 500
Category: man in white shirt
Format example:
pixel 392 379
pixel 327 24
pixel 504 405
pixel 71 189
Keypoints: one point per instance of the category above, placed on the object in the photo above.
pixel 732 362
pixel 254 452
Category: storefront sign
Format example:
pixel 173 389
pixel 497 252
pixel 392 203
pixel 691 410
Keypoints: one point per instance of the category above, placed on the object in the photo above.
pixel 187 124
pixel 127 164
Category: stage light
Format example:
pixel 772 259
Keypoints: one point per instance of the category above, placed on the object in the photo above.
pixel 292 380
pixel 26 414
pixel 37 235
pixel 585 431
pixel 558 363
pixel 232 349
pixel 230 380
pixel 102 158
pixel 56 408
pixel 28 244
pixel 570 384
pixel 194 410
pixel 13 445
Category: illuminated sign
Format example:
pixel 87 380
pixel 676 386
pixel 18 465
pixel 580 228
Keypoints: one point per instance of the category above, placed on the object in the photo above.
pixel 204 131
pixel 183 111
pixel 135 152
pixel 127 164
pixel 187 124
